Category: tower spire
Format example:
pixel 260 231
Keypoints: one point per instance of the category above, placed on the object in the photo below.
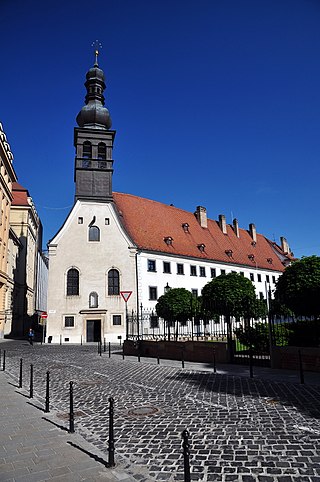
pixel 97 47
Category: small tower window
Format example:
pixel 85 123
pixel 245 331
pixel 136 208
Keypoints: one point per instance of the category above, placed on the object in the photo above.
pixel 94 233
pixel 87 150
pixel 93 300
pixel 102 151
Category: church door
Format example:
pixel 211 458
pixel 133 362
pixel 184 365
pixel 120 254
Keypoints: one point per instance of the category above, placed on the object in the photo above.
pixel 93 330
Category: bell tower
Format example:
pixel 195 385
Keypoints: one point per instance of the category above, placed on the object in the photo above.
pixel 93 141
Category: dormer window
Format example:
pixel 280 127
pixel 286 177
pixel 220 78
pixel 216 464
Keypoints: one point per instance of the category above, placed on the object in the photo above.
pixel 201 247
pixel 251 257
pixel 168 240
pixel 253 243
pixel 229 252
pixel 269 260
pixel 185 227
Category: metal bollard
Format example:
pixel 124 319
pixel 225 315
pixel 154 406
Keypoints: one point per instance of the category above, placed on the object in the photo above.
pixel 104 345
pixel 31 382
pixel 71 414
pixel 214 361
pixel 250 362
pixel 60 339
pixel 20 374
pixel 182 358
pixel 122 352
pixel 186 454
pixel 47 409
pixel 301 368
pixel 4 360
pixel 111 434
pixel 81 341
pixel 109 349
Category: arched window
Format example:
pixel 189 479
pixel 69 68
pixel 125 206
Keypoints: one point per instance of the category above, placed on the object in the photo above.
pixel 93 300
pixel 94 233
pixel 87 150
pixel 73 282
pixel 102 151
pixel 113 282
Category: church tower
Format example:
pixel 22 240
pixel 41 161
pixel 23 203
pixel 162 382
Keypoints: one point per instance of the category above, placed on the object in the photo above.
pixel 93 141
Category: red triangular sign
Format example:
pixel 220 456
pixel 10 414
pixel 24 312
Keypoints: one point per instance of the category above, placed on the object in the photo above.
pixel 125 295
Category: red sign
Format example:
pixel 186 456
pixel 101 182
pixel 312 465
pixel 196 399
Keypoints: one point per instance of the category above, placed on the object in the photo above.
pixel 44 315
pixel 125 295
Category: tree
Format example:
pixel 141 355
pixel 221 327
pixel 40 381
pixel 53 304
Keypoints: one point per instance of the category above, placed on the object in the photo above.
pixel 298 287
pixel 175 306
pixel 232 295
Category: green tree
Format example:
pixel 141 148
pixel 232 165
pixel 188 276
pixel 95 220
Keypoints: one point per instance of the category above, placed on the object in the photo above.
pixel 176 305
pixel 232 295
pixel 298 287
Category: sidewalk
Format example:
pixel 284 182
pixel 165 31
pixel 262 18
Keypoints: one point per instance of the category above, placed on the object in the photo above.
pixel 33 448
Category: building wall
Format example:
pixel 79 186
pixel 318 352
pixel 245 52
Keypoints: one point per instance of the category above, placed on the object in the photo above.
pixel 263 280
pixel 7 177
pixel 93 259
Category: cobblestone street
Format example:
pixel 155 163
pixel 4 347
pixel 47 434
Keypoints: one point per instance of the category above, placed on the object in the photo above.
pixel 240 429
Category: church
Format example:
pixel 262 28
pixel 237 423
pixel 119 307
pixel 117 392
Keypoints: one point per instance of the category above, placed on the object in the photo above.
pixel 118 253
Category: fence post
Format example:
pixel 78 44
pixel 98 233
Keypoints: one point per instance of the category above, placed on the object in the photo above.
pixel 301 368
pixel 186 453
pixel 71 414
pixel 111 434
pixel 31 381
pixel 47 409
pixel 20 374
pixel 4 360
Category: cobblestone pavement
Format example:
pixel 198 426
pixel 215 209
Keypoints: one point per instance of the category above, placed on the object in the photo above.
pixel 241 429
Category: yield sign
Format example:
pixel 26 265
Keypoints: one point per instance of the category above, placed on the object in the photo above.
pixel 125 295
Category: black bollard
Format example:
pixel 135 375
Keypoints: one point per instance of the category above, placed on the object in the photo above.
pixel 182 358
pixel 20 374
pixel 109 349
pixel 104 345
pixel 31 381
pixel 250 362
pixel 214 362
pixel 60 339
pixel 81 341
pixel 301 368
pixel 186 453
pixel 0 356
pixel 122 352
pixel 111 434
pixel 71 415
pixel 47 409
pixel 4 360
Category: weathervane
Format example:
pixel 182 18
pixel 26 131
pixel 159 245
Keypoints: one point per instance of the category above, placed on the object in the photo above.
pixel 97 46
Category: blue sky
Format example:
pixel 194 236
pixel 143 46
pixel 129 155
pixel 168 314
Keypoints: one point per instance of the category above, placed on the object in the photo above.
pixel 215 103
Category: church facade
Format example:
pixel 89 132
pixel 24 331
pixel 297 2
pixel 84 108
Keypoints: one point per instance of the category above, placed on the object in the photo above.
pixel 117 253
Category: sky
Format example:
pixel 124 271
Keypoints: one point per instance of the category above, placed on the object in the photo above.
pixel 215 103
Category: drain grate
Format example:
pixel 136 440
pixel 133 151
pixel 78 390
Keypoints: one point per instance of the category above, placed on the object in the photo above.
pixel 143 411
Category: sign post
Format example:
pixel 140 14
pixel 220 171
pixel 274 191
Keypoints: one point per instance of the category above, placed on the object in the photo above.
pixel 126 295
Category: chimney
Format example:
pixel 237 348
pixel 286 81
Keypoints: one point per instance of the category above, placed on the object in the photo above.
pixel 253 232
pixel 201 215
pixel 222 223
pixel 284 245
pixel 236 228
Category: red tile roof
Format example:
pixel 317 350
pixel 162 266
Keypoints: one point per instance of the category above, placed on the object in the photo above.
pixel 20 195
pixel 149 222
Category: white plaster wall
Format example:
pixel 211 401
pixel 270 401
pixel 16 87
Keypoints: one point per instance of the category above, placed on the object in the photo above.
pixel 71 248
pixel 160 279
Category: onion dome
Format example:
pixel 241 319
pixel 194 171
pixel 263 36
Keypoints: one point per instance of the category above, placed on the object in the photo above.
pixel 93 114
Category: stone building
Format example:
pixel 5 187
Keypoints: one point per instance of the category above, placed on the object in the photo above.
pixel 7 177
pixel 113 242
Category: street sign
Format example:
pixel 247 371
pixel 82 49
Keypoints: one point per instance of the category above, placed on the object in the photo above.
pixel 44 314
pixel 125 295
